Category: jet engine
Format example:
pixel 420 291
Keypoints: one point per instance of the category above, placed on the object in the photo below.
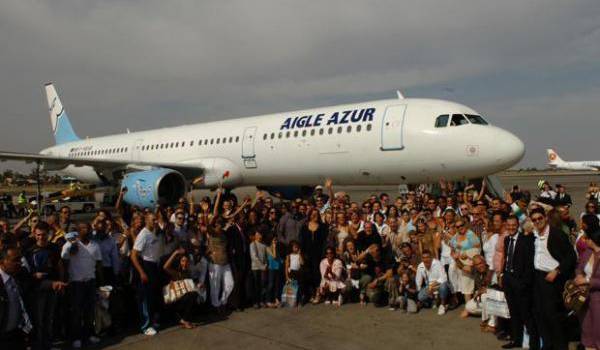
pixel 148 188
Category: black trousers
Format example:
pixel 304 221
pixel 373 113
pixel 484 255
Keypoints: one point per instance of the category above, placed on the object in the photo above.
pixel 13 340
pixel 549 312
pixel 83 302
pixel 186 306
pixel 520 306
pixel 43 317
pixel 259 290
pixel 275 285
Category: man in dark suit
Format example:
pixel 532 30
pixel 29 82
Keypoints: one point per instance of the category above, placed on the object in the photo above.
pixel 562 197
pixel 554 262
pixel 14 319
pixel 517 282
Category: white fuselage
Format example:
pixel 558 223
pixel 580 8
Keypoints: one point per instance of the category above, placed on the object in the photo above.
pixel 398 142
pixel 582 165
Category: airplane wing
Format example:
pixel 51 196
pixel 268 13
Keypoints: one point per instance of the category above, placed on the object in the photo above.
pixel 50 162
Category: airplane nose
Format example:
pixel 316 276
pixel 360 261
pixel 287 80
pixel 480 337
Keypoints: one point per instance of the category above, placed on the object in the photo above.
pixel 509 149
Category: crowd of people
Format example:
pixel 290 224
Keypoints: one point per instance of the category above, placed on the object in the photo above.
pixel 445 247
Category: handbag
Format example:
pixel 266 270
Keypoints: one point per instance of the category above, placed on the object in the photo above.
pixel 175 290
pixel 495 303
pixel 575 297
pixel 289 296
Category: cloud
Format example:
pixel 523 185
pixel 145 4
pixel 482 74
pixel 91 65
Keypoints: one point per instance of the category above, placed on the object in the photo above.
pixel 144 64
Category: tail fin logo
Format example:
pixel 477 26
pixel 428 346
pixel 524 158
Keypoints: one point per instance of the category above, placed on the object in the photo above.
pixel 56 110
pixel 552 156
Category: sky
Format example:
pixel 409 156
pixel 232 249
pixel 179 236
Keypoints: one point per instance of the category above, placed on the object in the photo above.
pixel 532 67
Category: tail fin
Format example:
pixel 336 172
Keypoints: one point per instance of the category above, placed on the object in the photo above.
pixel 61 126
pixel 553 158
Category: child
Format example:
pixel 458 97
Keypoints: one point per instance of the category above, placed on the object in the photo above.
pixel 275 273
pixel 293 268
pixel 408 293
pixel 258 256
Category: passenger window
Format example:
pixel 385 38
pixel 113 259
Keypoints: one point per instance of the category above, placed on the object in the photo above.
pixel 358 127
pixel 330 131
pixel 272 135
pixel 224 139
pixel 321 131
pixel 369 127
pixel 212 141
pixel 441 121
pixel 182 143
pixel 312 132
pixel 230 139
pixel 339 129
pixel 191 143
pixel 303 132
pixel 264 136
pixel 349 128
pixel 476 119
pixel 237 139
pixel 458 120
pixel 287 134
pixel 280 135
pixel 218 141
pixel 296 133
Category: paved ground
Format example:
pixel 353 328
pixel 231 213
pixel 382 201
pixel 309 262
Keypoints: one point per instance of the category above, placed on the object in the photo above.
pixel 324 327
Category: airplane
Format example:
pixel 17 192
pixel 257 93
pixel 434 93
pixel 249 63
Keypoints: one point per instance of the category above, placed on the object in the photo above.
pixel 384 142
pixel 555 162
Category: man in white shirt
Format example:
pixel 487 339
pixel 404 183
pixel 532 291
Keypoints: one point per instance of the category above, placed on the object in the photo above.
pixel 84 260
pixel 554 262
pixel 431 280
pixel 145 257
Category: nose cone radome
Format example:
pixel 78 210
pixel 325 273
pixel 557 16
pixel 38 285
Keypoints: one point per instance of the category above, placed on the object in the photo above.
pixel 509 149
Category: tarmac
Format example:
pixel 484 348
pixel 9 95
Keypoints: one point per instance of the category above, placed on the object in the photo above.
pixel 324 327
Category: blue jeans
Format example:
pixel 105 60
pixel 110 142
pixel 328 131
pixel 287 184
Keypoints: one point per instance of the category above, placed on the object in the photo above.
pixel 425 298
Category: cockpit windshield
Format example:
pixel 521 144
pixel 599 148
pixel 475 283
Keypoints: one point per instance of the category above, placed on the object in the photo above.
pixel 476 119
pixel 458 120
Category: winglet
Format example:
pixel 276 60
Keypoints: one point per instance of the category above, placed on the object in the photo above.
pixel 399 94
pixel 61 126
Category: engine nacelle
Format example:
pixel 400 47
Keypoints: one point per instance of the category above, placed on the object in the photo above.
pixel 148 188
pixel 288 192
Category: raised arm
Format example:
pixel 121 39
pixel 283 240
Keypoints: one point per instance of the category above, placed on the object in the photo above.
pixel 168 266
pixel 483 189
pixel 329 186
pixel 239 209
pixel 20 224
pixel 217 203
pixel 191 209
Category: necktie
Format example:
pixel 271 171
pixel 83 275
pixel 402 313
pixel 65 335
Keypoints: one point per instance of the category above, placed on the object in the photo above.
pixel 509 259
pixel 25 322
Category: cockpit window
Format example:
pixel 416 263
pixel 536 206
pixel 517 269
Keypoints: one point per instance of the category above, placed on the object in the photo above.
pixel 441 121
pixel 476 119
pixel 458 119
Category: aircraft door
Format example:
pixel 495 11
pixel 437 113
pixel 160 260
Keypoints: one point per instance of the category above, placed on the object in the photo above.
pixel 248 153
pixel 392 128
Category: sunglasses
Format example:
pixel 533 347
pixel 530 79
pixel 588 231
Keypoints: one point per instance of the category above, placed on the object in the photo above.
pixel 459 226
